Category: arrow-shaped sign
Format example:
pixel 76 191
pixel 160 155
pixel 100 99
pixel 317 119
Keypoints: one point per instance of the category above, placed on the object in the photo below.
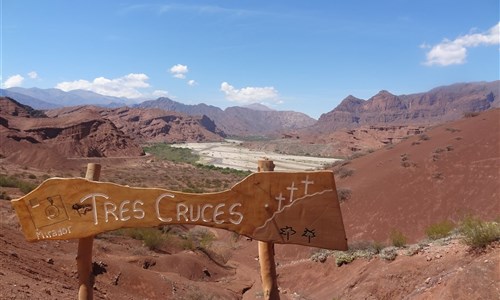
pixel 297 208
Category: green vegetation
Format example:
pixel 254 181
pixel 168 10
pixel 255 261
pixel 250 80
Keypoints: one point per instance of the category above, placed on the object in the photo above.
pixel 153 238
pixel 479 234
pixel 225 170
pixel 9 181
pixel 183 155
pixel 398 239
pixel 198 237
pixel 167 152
pixel 439 230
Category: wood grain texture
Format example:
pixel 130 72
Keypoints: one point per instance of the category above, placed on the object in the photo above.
pixel 298 208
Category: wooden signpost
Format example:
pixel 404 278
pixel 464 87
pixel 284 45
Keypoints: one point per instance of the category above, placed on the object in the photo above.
pixel 279 207
pixel 276 207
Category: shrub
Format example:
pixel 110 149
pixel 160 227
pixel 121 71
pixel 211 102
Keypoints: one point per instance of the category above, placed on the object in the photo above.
pixel 413 249
pixel 153 238
pixel 344 194
pixel 344 172
pixel 320 255
pixel 424 137
pixel 479 234
pixel 398 239
pixel 389 253
pixel 167 152
pixel 343 257
pixel 198 237
pixel 438 175
pixel 439 230
pixel 438 150
pixel 470 114
pixel 367 246
pixel 453 130
pixel 9 181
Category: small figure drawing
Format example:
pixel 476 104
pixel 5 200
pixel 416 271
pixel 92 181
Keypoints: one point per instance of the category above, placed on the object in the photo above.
pixel 288 231
pixel 309 233
pixel 82 209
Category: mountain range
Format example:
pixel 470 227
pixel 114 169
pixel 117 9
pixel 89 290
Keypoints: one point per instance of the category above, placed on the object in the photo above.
pixel 437 105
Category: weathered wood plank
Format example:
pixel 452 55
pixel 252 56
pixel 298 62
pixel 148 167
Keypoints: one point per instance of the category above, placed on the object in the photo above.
pixel 280 207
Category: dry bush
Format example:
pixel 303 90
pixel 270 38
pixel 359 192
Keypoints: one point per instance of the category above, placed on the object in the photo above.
pixel 470 114
pixel 424 137
pixel 398 239
pixel 344 194
pixel 479 234
pixel 439 230
pixel 344 172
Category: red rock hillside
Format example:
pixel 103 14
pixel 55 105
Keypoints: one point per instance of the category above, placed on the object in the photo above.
pixel 446 173
pixel 30 138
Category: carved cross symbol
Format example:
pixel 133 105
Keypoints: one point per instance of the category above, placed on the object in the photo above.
pixel 306 183
pixel 280 198
pixel 292 188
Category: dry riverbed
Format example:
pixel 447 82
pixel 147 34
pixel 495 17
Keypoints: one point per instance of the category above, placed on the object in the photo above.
pixel 231 154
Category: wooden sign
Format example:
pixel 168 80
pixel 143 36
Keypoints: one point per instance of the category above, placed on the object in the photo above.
pixel 288 208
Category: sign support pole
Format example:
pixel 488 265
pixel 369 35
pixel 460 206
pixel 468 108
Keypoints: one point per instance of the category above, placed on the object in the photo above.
pixel 84 256
pixel 266 253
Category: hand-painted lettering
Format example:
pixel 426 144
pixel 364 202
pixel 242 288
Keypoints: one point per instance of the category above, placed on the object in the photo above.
pixel 157 207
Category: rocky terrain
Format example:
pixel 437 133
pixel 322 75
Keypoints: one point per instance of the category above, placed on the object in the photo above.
pixel 152 125
pixel 447 172
pixel 435 106
pixel 239 121
pixel 29 137
pixel 413 176
pixel 44 139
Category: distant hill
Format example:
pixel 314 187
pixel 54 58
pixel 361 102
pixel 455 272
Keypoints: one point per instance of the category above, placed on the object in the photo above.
pixel 59 98
pixel 29 137
pixel 435 106
pixel 28 100
pixel 151 125
pixel 240 121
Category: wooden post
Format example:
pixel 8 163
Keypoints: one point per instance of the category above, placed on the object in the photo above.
pixel 266 253
pixel 84 256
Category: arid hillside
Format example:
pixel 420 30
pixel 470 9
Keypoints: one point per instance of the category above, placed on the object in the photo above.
pixel 445 173
pixel 29 137
pixel 152 125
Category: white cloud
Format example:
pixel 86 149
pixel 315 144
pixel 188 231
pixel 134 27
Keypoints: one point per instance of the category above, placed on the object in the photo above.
pixel 192 82
pixel 13 81
pixel 126 86
pixel 179 71
pixel 33 75
pixel 249 94
pixel 455 52
pixel 160 93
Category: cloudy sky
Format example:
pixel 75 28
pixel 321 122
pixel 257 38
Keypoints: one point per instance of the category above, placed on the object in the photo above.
pixel 290 55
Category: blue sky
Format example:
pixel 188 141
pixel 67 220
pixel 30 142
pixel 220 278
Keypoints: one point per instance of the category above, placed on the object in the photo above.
pixel 290 55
